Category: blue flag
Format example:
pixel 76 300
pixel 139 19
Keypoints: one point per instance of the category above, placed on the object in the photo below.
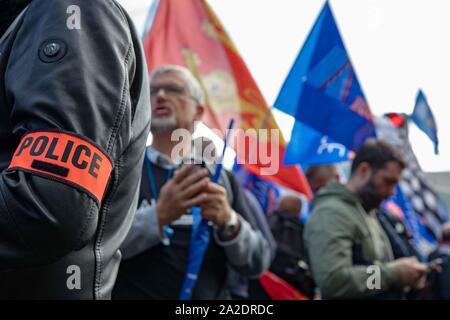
pixel 267 193
pixel 310 147
pixel 322 90
pixel 424 119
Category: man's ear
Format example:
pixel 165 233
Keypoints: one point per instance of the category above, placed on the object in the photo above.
pixel 200 110
pixel 364 171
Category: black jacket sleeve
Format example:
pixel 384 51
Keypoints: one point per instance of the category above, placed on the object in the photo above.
pixel 82 89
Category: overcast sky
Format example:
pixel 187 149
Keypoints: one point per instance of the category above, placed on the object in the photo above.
pixel 396 46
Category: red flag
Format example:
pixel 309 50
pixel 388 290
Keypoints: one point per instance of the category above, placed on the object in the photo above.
pixel 187 33
pixel 278 289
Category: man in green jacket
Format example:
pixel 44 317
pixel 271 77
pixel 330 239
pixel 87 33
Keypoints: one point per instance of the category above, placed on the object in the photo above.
pixel 350 254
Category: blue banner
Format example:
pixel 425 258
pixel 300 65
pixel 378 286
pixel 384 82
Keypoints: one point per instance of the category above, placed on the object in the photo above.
pixel 322 89
pixel 310 147
pixel 266 192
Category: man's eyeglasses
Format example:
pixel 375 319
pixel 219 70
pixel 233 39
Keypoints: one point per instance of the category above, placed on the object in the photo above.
pixel 171 90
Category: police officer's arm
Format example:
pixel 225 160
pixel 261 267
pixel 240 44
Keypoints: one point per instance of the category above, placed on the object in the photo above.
pixel 70 72
pixel 329 237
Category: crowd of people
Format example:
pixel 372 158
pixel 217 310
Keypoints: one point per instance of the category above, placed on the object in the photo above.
pixel 88 211
pixel 326 255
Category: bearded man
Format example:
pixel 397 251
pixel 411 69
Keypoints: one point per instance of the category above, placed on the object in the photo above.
pixel 350 255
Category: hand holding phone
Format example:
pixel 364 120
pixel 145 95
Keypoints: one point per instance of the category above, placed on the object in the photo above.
pixel 185 190
pixel 435 265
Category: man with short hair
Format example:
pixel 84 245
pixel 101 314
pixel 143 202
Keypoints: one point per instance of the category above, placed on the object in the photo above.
pixel 320 175
pixel 157 248
pixel 344 238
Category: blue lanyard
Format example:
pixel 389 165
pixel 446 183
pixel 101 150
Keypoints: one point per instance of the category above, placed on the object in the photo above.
pixel 199 244
pixel 154 191
pixel 200 236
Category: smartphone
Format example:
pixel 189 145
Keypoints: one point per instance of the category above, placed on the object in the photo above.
pixel 200 166
pixel 435 263
pixel 197 166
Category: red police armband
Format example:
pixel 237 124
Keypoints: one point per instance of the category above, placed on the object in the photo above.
pixel 65 157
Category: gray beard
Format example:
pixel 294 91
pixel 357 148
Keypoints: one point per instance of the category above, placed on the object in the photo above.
pixel 163 125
